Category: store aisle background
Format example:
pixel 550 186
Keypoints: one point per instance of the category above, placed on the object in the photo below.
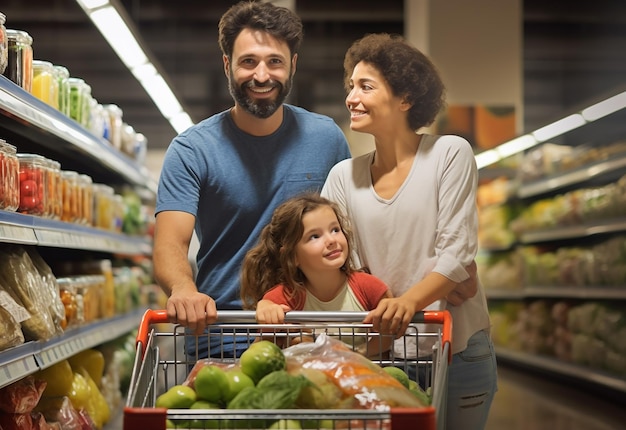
pixel 528 401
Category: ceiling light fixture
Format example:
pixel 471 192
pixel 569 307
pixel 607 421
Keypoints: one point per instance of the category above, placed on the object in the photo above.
pixel 547 132
pixel 108 17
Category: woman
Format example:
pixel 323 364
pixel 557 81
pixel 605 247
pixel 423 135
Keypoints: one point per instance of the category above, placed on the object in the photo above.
pixel 412 206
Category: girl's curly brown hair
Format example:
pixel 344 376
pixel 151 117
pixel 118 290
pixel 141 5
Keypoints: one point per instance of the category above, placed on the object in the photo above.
pixel 272 260
pixel 409 73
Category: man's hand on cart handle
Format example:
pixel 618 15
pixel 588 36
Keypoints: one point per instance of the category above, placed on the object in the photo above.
pixel 466 289
pixel 191 309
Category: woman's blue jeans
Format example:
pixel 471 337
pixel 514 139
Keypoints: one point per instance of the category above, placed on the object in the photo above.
pixel 472 384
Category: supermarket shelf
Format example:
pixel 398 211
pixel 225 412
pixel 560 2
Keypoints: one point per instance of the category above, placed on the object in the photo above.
pixel 30 118
pixel 583 293
pixel 572 372
pixel 578 176
pixel 32 230
pixel 30 357
pixel 575 231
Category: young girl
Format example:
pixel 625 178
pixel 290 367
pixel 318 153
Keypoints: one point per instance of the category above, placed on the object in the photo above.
pixel 303 262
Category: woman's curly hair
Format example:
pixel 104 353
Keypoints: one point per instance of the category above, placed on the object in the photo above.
pixel 409 73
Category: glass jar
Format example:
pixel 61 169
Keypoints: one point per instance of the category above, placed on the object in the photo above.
pixel 55 190
pixel 85 116
pixel 103 206
pixel 45 86
pixel 115 125
pixel 85 185
pixel 62 75
pixel 33 184
pixel 9 177
pixel 19 58
pixel 3 43
pixel 77 94
pixel 70 196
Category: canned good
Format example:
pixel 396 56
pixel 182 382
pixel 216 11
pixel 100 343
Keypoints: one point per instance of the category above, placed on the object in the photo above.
pixel 45 87
pixel 9 177
pixel 3 44
pixel 33 191
pixel 19 58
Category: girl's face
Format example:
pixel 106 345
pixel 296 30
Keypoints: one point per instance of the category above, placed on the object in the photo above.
pixel 372 105
pixel 323 245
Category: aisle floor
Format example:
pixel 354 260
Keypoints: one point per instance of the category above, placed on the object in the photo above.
pixel 529 402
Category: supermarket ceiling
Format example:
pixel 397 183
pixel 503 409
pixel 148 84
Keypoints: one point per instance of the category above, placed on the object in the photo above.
pixel 182 36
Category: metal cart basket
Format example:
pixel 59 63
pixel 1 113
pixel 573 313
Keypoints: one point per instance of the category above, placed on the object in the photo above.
pixel 158 367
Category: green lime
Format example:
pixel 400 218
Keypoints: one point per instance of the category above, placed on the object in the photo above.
pixel 211 384
pixel 399 374
pixel 286 424
pixel 237 381
pixel 177 397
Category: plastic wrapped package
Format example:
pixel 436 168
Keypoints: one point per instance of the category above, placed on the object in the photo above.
pixel 61 411
pixel 22 396
pixel 22 282
pixel 51 290
pixel 10 320
pixel 362 383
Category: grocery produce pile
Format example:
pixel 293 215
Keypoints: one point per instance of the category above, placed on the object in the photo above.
pixel 325 374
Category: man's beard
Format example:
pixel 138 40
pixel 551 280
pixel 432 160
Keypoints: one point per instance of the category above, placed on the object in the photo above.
pixel 259 108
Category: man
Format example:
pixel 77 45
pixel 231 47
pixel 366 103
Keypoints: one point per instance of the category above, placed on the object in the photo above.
pixel 225 176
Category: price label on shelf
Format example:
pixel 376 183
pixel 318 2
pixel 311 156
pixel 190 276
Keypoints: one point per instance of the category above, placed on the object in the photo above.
pixel 17 369
pixel 17 234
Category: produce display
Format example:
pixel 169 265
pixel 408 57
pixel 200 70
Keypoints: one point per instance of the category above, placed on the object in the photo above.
pixel 325 374
pixel 591 334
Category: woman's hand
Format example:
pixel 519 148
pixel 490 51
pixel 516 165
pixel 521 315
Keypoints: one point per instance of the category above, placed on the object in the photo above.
pixel 268 312
pixel 391 316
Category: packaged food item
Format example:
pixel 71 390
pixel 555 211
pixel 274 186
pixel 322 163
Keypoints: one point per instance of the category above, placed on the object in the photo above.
pixel 3 43
pixel 104 201
pixel 115 115
pixel 77 94
pixel 71 196
pixel 72 305
pixel 45 86
pixel 32 177
pixel 9 177
pixel 11 315
pixel 62 75
pixel 20 279
pixel 85 187
pixel 19 67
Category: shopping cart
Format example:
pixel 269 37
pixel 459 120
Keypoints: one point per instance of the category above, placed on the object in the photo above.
pixel 154 371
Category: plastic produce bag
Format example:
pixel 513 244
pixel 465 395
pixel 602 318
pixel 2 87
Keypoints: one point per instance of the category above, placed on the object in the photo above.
pixel 362 383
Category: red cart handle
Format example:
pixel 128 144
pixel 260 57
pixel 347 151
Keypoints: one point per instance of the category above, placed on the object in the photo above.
pixel 444 318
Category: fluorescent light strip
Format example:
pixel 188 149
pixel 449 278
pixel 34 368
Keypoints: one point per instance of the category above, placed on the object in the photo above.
pixel 605 107
pixel 114 29
pixel 557 128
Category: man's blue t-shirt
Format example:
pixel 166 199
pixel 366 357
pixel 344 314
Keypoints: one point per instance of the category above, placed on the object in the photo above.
pixel 232 182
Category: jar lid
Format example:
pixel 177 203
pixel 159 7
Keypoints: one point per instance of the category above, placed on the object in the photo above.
pixel 62 70
pixel 19 35
pixel 42 64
